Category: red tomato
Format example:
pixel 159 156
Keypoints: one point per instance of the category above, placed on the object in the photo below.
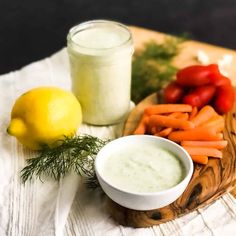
pixel 215 75
pixel 173 93
pixel 220 80
pixel 192 99
pixel 200 96
pixel 224 100
pixel 198 75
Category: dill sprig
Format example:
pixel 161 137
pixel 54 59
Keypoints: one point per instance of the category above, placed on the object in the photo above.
pixel 152 67
pixel 74 154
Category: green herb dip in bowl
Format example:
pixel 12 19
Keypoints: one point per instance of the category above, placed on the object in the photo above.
pixel 143 172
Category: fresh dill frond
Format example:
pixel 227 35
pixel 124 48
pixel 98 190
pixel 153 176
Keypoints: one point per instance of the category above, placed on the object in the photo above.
pixel 74 154
pixel 152 67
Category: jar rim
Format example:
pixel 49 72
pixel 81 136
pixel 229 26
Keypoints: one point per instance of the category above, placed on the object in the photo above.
pixel 90 24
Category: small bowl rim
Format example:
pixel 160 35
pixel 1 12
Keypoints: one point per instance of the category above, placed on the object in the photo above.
pixel 187 177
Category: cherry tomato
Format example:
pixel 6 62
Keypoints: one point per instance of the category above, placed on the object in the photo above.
pixel 200 96
pixel 219 80
pixel 173 93
pixel 192 99
pixel 224 100
pixel 198 75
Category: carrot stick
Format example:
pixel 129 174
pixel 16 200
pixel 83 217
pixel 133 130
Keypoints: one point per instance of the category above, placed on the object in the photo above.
pixel 165 132
pixel 184 116
pixel 200 134
pixel 216 121
pixel 213 152
pixel 220 136
pixel 179 115
pixel 201 159
pixel 141 128
pixel 166 121
pixel 175 114
pixel 193 113
pixel 206 113
pixel 167 108
pixel 155 128
pixel 152 130
pixel 221 144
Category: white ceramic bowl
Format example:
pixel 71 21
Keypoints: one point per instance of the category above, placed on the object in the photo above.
pixel 150 200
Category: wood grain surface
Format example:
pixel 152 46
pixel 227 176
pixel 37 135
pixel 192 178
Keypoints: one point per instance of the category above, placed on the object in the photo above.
pixel 208 182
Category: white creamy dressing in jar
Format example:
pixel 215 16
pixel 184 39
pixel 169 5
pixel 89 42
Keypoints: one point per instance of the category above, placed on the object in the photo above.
pixel 143 169
pixel 103 37
pixel 100 56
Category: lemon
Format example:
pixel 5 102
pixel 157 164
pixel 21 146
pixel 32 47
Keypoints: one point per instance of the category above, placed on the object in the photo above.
pixel 44 115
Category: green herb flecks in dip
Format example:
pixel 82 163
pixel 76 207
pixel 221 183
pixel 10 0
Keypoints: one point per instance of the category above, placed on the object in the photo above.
pixel 143 169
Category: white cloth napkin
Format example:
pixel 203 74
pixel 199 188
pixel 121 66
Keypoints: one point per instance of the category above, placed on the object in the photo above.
pixel 68 207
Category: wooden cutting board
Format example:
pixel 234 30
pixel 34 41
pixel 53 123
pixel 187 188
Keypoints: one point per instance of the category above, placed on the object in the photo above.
pixel 208 182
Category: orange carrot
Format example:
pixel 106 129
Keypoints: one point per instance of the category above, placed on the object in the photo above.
pixel 200 134
pixel 175 114
pixel 220 136
pixel 213 152
pixel 165 132
pixel 184 116
pixel 167 108
pixel 206 113
pixel 155 129
pixel 152 130
pixel 179 115
pixel 221 144
pixel 166 121
pixel 201 159
pixel 193 113
pixel 141 128
pixel 216 121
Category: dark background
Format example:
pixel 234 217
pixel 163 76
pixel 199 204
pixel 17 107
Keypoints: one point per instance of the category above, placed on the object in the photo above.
pixel 31 30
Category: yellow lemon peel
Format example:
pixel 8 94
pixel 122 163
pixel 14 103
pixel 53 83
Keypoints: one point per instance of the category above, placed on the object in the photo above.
pixel 44 115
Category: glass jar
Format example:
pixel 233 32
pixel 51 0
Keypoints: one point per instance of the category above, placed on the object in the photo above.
pixel 100 54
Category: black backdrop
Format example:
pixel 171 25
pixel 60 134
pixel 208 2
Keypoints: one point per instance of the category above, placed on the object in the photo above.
pixel 33 29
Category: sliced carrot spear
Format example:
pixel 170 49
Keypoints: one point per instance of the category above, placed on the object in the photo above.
pixel 193 113
pixel 221 144
pixel 166 121
pixel 156 128
pixel 184 116
pixel 167 108
pixel 201 159
pixel 205 114
pixel 203 134
pixel 165 132
pixel 216 121
pixel 212 152
pixel 141 128
pixel 176 114
pixel 152 130
pixel 179 115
